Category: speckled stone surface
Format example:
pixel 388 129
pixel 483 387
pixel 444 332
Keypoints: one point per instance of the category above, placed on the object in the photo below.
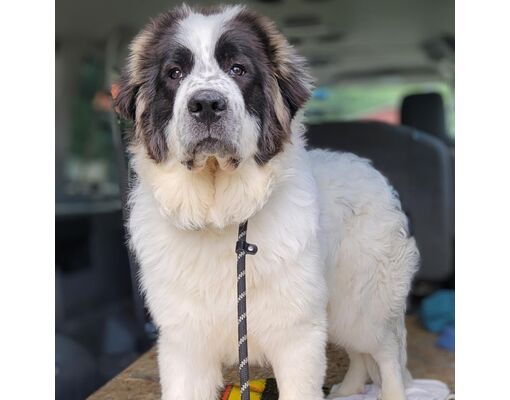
pixel 140 380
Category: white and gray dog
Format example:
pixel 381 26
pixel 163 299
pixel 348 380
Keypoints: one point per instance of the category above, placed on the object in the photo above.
pixel 215 96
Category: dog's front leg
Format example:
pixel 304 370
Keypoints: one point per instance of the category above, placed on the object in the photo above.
pixel 298 357
pixel 188 369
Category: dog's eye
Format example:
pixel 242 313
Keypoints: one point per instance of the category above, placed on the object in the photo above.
pixel 175 73
pixel 237 70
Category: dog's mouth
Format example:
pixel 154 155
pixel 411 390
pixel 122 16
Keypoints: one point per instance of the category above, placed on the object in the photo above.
pixel 212 153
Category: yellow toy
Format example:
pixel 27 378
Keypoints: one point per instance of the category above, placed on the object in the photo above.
pixel 262 389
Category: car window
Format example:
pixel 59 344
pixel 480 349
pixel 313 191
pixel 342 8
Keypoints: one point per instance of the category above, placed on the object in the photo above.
pixel 378 101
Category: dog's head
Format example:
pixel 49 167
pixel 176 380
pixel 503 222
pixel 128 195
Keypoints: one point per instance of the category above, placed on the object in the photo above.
pixel 212 94
pixel 215 83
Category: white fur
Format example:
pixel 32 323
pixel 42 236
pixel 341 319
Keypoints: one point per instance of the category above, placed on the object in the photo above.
pixel 335 260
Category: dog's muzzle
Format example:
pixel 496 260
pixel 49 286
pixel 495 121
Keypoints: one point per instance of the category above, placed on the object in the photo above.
pixel 209 131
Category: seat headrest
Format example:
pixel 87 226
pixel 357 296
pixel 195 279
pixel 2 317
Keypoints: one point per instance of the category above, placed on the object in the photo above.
pixel 425 112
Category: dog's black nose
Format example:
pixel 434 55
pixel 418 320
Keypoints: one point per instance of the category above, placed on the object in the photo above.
pixel 207 106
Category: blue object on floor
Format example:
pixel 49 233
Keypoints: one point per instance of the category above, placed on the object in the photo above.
pixel 438 310
pixel 446 339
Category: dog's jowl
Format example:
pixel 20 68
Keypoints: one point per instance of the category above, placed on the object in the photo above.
pixel 215 96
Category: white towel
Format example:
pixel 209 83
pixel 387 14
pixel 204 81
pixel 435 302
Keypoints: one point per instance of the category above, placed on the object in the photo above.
pixel 421 389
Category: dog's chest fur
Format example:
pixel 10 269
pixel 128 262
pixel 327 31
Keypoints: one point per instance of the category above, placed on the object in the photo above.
pixel 189 276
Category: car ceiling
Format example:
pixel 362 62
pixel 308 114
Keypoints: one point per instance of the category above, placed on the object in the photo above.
pixel 343 39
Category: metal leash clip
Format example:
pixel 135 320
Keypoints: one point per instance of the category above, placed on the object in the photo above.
pixel 248 248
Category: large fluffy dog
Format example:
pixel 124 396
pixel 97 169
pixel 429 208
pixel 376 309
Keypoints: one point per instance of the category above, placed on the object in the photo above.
pixel 215 97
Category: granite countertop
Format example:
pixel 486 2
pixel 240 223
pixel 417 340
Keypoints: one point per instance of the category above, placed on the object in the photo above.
pixel 426 361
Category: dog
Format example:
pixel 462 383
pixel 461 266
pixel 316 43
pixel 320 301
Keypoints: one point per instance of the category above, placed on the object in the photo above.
pixel 215 95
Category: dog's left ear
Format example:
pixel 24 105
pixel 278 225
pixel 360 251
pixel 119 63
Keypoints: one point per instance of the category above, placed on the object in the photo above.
pixel 291 72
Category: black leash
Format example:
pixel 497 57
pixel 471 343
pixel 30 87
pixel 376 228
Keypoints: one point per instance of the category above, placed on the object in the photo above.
pixel 242 249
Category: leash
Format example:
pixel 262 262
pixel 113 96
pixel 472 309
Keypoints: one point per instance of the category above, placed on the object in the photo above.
pixel 242 249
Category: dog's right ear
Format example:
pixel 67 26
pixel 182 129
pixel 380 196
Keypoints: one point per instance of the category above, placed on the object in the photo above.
pixel 124 98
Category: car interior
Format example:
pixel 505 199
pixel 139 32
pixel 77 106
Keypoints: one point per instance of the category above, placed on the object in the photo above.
pixel 384 90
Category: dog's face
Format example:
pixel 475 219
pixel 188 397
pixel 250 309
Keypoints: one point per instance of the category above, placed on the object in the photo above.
pixel 218 85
